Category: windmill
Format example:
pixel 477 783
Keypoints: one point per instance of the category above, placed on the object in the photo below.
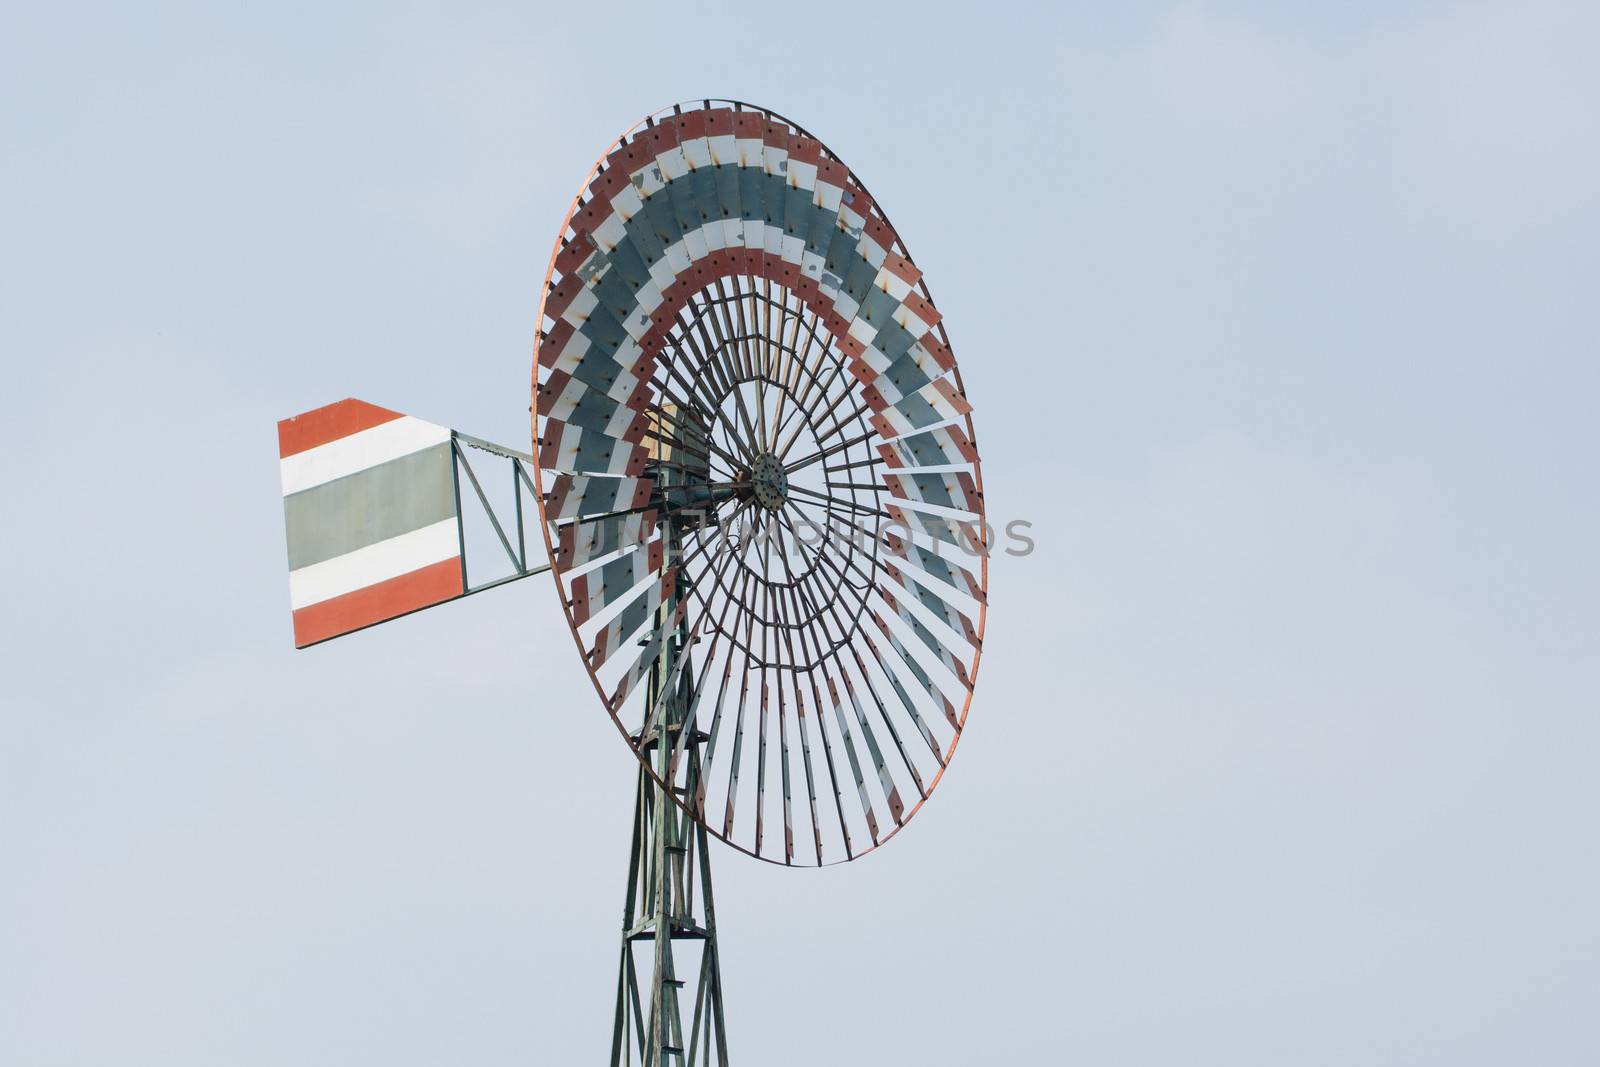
pixel 755 476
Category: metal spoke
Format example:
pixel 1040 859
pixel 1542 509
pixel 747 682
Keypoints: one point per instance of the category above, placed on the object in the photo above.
pixel 800 464
pixel 676 417
pixel 851 505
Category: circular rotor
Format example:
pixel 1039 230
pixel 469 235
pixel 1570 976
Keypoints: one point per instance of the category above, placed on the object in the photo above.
pixel 758 483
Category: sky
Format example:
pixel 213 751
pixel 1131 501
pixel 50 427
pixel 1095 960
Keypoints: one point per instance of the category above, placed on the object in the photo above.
pixel 1279 325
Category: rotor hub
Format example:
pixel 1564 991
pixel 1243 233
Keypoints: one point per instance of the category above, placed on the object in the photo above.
pixel 769 485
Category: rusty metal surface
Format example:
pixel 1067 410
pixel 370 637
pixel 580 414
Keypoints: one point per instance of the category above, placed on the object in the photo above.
pixel 738 357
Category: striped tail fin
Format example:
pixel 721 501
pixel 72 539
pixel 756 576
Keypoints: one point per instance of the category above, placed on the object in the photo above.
pixel 372 517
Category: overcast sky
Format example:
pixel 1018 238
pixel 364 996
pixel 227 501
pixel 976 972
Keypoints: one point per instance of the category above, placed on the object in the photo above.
pixel 1279 323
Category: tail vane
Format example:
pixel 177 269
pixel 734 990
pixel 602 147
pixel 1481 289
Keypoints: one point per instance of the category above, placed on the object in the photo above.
pixel 373 519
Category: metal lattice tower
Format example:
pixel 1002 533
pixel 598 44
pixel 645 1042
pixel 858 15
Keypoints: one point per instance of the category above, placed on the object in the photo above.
pixel 669 909
pixel 669 903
